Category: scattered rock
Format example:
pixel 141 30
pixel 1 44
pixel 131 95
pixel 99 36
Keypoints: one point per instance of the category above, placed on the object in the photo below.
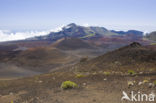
pixel 105 79
pixel 94 73
pixel 10 93
pixel 84 84
pixel 130 83
pixel 40 81
pixel 54 78
pixel 140 83
pixel 150 85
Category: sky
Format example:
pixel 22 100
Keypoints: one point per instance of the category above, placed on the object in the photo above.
pixel 37 17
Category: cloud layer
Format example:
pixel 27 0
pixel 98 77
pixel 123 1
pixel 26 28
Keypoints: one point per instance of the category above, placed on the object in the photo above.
pixel 6 35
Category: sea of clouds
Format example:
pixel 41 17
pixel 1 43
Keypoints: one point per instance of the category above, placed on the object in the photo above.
pixel 6 35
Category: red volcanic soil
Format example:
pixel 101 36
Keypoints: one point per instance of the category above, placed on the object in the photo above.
pixel 72 44
pixel 35 43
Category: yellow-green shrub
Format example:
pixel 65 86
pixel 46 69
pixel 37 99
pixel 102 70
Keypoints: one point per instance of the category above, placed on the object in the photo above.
pixel 154 82
pixel 79 75
pixel 68 85
pixel 107 73
pixel 131 72
pixel 145 81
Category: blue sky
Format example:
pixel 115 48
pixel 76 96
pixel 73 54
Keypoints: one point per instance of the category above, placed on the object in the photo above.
pixel 18 15
pixel 47 14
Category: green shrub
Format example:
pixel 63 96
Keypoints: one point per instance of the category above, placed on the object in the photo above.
pixel 154 82
pixel 107 73
pixel 145 81
pixel 68 85
pixel 79 75
pixel 131 72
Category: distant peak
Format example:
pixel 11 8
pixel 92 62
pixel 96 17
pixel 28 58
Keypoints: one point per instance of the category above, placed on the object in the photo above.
pixel 72 24
pixel 135 44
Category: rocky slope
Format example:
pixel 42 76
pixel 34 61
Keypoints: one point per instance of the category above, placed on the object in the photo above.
pixel 101 79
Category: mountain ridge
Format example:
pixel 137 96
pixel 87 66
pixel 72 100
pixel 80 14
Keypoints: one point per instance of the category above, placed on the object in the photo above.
pixel 82 32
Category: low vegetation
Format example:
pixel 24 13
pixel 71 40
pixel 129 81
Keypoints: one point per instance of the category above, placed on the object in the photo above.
pixel 79 75
pixel 154 82
pixel 153 43
pixel 107 73
pixel 68 85
pixel 131 72
pixel 145 81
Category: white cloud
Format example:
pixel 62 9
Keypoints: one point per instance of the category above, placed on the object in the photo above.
pixel 146 32
pixel 86 25
pixel 6 35
pixel 58 28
